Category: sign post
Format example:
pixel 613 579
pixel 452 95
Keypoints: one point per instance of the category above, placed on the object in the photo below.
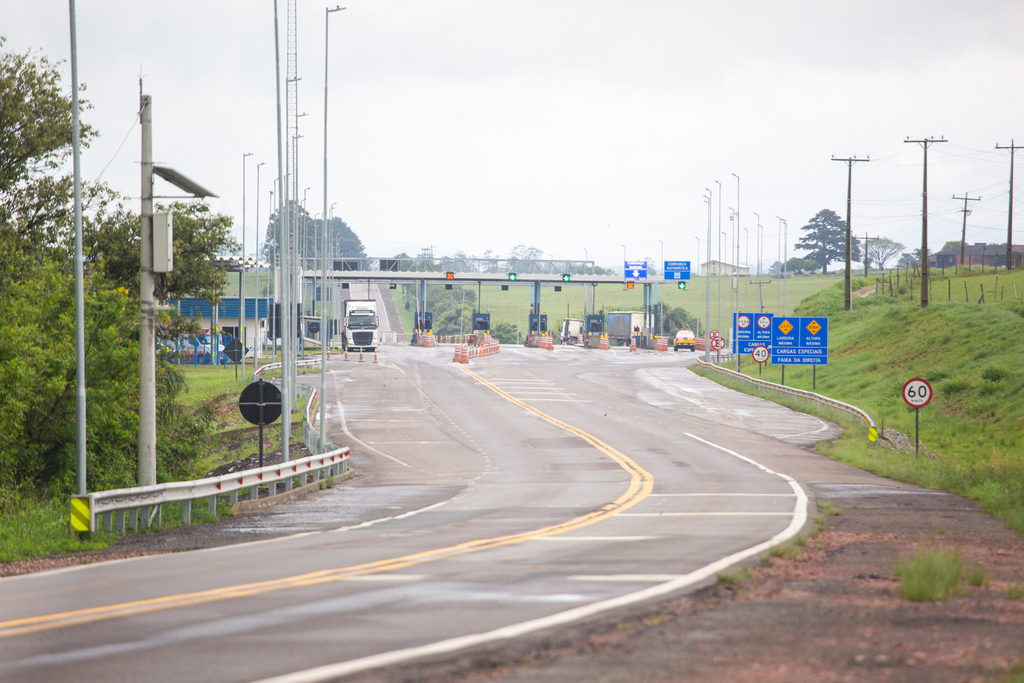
pixel 917 393
pixel 260 404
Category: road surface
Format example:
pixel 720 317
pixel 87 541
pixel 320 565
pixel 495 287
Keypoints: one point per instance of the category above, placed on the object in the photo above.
pixel 526 490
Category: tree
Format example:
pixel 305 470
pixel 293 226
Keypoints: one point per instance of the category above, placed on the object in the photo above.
pixel 826 239
pixel 35 142
pixel 342 242
pixel 882 249
pixel 775 268
pixel 678 319
pixel 113 244
pixel 799 265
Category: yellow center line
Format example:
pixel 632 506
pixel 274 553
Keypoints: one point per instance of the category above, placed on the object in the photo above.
pixel 640 486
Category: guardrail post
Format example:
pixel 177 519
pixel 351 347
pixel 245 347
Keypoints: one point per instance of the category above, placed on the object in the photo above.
pixel 186 512
pixel 302 479
pixel 233 497
pixel 133 518
pixel 272 488
pixel 144 516
pixel 107 519
pixel 254 492
pixel 160 514
pixel 212 505
pixel 120 520
pixel 344 466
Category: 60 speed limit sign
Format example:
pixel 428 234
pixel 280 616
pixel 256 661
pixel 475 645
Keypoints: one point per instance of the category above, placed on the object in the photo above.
pixel 760 354
pixel 917 393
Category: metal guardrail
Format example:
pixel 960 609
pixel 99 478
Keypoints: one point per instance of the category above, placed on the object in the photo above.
pixel 830 406
pixel 119 509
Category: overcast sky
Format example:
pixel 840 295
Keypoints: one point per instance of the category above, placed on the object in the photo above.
pixel 565 125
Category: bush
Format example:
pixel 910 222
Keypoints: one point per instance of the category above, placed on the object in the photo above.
pixel 932 574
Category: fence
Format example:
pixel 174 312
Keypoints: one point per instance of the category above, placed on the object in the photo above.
pixel 829 406
pixel 119 509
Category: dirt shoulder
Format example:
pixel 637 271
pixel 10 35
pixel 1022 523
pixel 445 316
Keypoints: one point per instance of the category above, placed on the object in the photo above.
pixel 832 613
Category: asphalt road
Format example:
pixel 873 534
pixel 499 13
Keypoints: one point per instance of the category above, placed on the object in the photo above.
pixel 529 489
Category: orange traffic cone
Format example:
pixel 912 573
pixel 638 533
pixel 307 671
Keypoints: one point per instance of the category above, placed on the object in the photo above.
pixel 360 355
pixel 374 356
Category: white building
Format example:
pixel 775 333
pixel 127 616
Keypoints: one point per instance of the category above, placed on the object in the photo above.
pixel 716 268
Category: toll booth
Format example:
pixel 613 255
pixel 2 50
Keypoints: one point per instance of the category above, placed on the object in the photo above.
pixel 425 321
pixel 481 322
pixel 538 323
pixel 595 324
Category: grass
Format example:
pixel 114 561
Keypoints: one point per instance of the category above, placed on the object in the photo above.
pixel 932 574
pixel 34 529
pixel 1015 591
pixel 973 429
pixel 733 578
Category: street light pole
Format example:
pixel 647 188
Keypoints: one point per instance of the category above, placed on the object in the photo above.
pixel 80 395
pixel 241 275
pixel 707 292
pixel 661 306
pixel 736 241
pixel 285 327
pixel 257 337
pixel 784 226
pixel 757 255
pixel 746 306
pixel 719 255
pixel 698 285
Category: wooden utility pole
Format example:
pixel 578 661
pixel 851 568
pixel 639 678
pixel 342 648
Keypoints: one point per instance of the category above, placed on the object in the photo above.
pixel 925 143
pixel 963 236
pixel 1009 218
pixel 867 258
pixel 847 293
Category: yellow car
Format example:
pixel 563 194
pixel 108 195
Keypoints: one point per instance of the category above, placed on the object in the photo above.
pixel 684 339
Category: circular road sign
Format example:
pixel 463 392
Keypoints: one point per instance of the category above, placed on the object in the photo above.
pixel 760 353
pixel 260 395
pixel 718 343
pixel 714 334
pixel 764 322
pixel 743 321
pixel 917 393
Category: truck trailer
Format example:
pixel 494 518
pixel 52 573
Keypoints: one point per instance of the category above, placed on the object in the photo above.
pixel 624 324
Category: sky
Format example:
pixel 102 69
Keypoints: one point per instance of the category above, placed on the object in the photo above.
pixel 583 128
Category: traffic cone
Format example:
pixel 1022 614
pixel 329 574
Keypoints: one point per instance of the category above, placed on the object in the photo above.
pixel 374 356
pixel 346 353
pixel 632 344
pixel 360 355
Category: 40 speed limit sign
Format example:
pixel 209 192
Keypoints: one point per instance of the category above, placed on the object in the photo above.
pixel 917 393
pixel 760 354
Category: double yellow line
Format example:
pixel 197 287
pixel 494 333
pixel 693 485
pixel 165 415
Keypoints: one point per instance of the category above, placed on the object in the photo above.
pixel 640 485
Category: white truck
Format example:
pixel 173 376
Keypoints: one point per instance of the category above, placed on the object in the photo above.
pixel 572 328
pixel 359 325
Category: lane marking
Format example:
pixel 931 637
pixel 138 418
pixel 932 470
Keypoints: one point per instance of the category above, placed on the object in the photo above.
pixel 707 514
pixel 595 538
pixel 332 671
pixel 404 515
pixel 344 428
pixel 640 485
pixel 758 495
pixel 626 578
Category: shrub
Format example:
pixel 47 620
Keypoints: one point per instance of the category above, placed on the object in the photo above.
pixel 932 574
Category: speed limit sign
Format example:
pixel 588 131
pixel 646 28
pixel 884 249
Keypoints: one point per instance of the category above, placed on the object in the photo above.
pixel 760 353
pixel 917 393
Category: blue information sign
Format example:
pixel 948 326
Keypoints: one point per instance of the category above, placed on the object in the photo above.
pixel 799 341
pixel 750 330
pixel 635 270
pixel 677 270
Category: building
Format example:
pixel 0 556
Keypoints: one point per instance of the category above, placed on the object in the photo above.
pixel 977 254
pixel 716 268
pixel 257 312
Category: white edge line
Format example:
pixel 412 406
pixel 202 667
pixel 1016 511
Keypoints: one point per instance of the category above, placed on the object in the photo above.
pixel 331 671
pixel 404 515
pixel 344 428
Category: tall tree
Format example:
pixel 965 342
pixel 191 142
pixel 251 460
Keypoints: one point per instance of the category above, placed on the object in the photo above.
pixel 826 239
pixel 882 249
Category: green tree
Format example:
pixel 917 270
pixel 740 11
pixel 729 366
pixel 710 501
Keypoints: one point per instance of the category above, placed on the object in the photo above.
pixel 826 239
pixel 679 318
pixel 342 241
pixel 882 249
pixel 35 142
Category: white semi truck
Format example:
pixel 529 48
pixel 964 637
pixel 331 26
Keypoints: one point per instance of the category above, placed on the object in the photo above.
pixel 360 325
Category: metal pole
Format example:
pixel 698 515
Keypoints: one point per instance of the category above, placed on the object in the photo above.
pixel 757 255
pixel 76 143
pixel 661 313
pixel 736 267
pixel 719 255
pixel 698 285
pixel 323 256
pixel 746 307
pixel 784 229
pixel 241 275
pixel 257 339
pixel 707 292
pixel 287 330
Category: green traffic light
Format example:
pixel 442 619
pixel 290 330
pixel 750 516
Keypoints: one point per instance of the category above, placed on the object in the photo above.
pixel 682 285
pixel 512 276
pixel 565 277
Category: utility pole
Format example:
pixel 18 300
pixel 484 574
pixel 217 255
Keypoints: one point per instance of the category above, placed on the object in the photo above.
pixel 866 257
pixel 968 198
pixel 76 146
pixel 925 143
pixel 1009 218
pixel 147 326
pixel 719 255
pixel 286 326
pixel 847 293
pixel 241 280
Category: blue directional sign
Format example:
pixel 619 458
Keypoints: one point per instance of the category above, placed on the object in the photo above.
pixel 799 341
pixel 750 330
pixel 635 270
pixel 677 270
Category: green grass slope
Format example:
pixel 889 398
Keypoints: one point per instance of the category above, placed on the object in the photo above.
pixel 973 430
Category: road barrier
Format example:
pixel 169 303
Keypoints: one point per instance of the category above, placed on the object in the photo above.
pixel 277 366
pixel 829 406
pixel 463 352
pixel 661 344
pixel 121 509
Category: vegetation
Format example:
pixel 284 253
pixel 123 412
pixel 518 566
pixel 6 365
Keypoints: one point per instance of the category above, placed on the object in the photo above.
pixel 932 574
pixel 973 430
pixel 825 239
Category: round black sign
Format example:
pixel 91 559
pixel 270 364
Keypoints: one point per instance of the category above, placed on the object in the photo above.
pixel 233 351
pixel 258 398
